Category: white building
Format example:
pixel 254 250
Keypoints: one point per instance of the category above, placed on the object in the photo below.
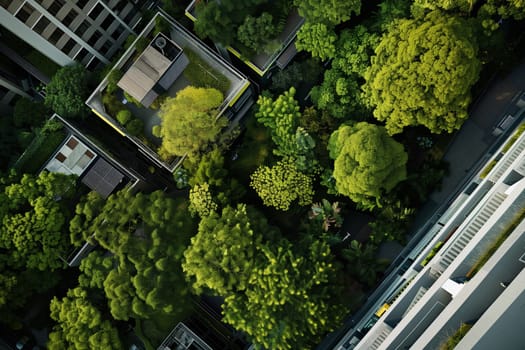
pixel 457 285
pixel 86 31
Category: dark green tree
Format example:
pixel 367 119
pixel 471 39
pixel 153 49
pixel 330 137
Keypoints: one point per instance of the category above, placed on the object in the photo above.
pixel 67 91
pixel 33 218
pixel 147 239
pixel 257 32
pixel 291 299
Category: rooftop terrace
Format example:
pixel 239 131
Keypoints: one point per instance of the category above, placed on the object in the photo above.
pixel 148 74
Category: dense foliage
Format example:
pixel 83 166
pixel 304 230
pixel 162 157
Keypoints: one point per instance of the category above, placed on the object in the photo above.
pixel 368 162
pixel 422 73
pixel 189 121
pixel 67 91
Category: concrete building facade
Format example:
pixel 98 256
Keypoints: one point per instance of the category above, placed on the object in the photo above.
pixel 86 31
pixel 472 273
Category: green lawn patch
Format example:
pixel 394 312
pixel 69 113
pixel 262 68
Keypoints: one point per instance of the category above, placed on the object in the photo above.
pixel 199 73
pixel 433 252
pixel 455 338
pixel 486 170
pixel 494 246
pixel 39 151
pixel 519 130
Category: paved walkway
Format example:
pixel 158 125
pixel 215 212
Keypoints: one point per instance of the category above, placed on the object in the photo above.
pixel 475 137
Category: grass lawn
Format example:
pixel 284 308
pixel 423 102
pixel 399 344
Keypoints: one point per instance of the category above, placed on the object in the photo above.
pixel 39 151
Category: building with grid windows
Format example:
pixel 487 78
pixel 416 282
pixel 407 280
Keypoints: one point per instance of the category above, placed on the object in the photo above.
pixel 86 31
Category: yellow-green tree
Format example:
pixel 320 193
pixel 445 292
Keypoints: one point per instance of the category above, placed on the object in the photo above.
pixel 280 185
pixel 328 11
pixel 189 122
pixel 368 162
pixel 422 73
pixel 80 325
pixel 318 39
pixel 225 250
pixel 291 299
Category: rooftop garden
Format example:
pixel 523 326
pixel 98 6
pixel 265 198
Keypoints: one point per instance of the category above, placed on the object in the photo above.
pixel 189 65
pixel 255 32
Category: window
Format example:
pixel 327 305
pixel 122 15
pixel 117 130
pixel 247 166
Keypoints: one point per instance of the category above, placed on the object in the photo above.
pixel 70 44
pixel 57 34
pixel 118 32
pixel 69 18
pixel 56 5
pixel 119 6
pixel 94 38
pixel 82 28
pixel 93 64
pixel 24 13
pixel 95 12
pixel 81 55
pixel 106 47
pixel 82 3
pixel 41 25
pixel 107 22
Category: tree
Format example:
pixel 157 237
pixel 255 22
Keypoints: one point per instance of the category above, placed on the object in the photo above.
pixel 80 325
pixel 147 240
pixel 201 201
pixel 368 162
pixel 67 91
pixel 492 11
pixel 328 11
pixel 256 32
pixel 189 121
pixel 422 73
pixel 291 300
pixel 95 268
pixel 278 186
pixel 29 114
pixel 354 48
pixel 339 94
pixel 225 250
pixel 389 11
pixel 326 214
pixel 281 116
pixel 362 262
pixel 318 39
pixel 447 5
pixel 33 217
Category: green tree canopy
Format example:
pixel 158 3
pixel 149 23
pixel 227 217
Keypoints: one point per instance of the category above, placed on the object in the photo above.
pixel 291 300
pixel 422 73
pixel 318 39
pixel 368 162
pixel 189 121
pixel 67 91
pixel 281 116
pixel 257 32
pixel 328 11
pixel 225 250
pixel 147 239
pixel 278 186
pixel 80 324
pixel 28 113
pixel 33 217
